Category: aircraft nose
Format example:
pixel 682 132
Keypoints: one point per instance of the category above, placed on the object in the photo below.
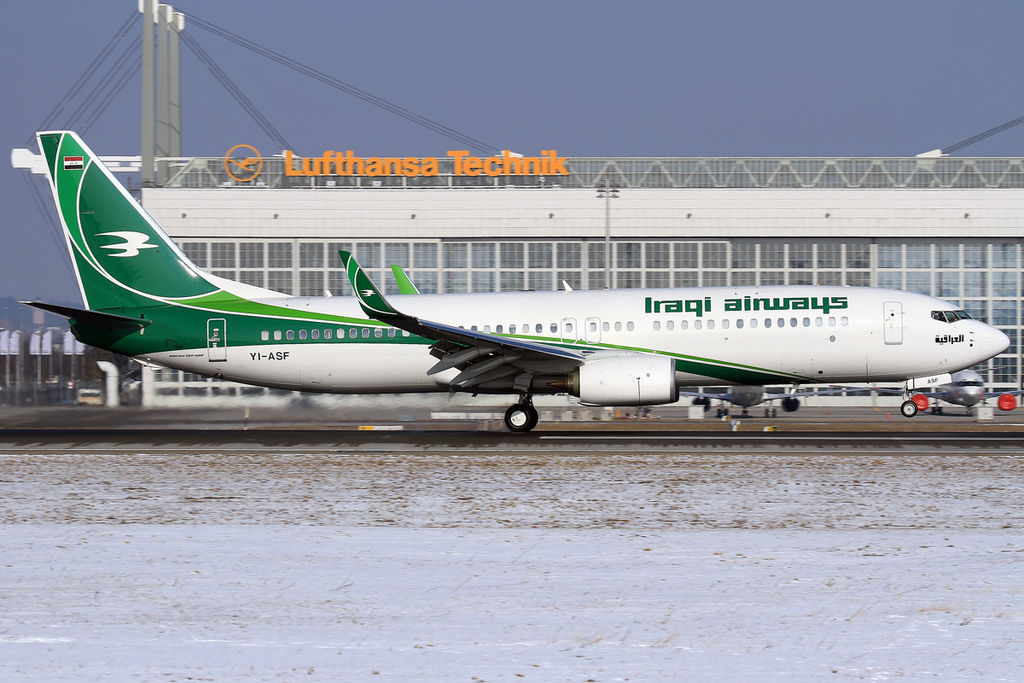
pixel 991 341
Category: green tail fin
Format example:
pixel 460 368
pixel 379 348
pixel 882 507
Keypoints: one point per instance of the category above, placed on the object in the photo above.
pixel 121 256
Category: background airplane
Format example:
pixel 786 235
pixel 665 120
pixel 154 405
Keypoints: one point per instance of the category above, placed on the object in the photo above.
pixel 747 396
pixel 966 389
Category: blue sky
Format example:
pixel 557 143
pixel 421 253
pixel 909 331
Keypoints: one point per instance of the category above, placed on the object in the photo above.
pixel 597 78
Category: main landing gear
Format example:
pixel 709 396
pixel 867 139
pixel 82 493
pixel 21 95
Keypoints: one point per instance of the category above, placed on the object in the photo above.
pixel 522 417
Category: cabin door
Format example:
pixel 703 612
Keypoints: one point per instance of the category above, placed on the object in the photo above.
pixel 216 340
pixel 592 330
pixel 892 323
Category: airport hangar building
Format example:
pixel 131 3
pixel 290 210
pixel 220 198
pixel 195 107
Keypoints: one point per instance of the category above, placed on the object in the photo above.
pixel 951 227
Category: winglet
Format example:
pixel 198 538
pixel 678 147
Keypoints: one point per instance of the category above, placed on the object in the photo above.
pixel 371 300
pixel 405 283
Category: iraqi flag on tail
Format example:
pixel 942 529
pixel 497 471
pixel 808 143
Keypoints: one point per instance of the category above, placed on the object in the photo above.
pixel 74 163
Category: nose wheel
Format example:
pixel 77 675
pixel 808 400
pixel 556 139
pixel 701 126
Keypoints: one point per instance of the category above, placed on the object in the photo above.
pixel 522 417
pixel 908 409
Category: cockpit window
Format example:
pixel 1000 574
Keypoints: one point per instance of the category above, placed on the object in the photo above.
pixel 970 383
pixel 950 316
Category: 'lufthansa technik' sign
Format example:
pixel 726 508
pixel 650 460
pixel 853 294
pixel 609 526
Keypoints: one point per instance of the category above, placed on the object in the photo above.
pixel 332 163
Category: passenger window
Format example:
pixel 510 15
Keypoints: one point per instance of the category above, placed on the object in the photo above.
pixel 670 325
pixel 739 324
pixel 539 328
pixel 405 333
pixel 487 329
pixel 606 326
pixel 618 327
pixel 366 333
pixel 314 334
pixel 698 324
pixel 352 333
pixel 391 332
pixel 753 323
pixel 767 322
pixel 554 328
pixel 725 324
pixel 657 325
pixel 265 335
pixel 781 322
pixel 629 326
pixel 792 322
pixel 831 321
pixel 807 322
pixel 818 322
pixel 302 334
pixel 711 324
pixel 499 329
pixel 511 329
pixel 684 324
pixel 327 334
pixel 378 333
pixel 844 321
pixel 289 335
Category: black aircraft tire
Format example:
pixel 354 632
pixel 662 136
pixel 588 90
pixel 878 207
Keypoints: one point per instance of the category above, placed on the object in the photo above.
pixel 521 417
pixel 908 409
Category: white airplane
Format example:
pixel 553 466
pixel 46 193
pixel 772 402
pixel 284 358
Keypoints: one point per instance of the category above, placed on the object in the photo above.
pixel 746 396
pixel 632 347
pixel 966 388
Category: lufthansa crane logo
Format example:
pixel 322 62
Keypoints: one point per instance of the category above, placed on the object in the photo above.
pixel 243 163
pixel 133 242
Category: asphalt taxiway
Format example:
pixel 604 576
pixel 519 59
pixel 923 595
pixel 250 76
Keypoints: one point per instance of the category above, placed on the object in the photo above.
pixel 816 429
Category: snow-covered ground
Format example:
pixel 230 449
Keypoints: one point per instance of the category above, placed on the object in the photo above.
pixel 734 567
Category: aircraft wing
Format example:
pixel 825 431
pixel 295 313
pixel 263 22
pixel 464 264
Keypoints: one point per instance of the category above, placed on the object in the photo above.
pixel 481 357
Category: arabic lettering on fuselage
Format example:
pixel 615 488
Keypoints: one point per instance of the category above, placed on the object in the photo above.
pixel 699 307
pixel 948 338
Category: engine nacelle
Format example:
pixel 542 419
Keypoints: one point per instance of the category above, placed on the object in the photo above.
pixel 625 380
pixel 1007 402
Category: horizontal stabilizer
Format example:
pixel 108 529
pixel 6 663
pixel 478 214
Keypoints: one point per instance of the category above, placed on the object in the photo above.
pixel 80 315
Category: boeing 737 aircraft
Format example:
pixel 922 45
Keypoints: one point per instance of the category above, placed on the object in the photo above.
pixel 143 298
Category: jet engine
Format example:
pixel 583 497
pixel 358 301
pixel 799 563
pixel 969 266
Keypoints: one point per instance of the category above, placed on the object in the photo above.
pixel 790 404
pixel 625 380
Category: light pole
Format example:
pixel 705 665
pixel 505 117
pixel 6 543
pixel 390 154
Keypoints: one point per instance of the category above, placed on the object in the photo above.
pixel 607 191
